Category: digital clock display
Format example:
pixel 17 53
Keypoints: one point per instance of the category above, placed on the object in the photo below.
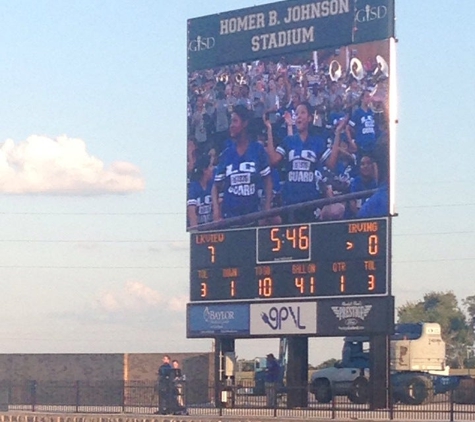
pixel 284 244
pixel 348 258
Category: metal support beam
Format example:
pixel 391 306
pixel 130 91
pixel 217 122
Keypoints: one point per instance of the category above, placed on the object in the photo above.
pixel 379 372
pixel 297 372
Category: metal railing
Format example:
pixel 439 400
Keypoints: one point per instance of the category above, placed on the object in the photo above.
pixel 222 400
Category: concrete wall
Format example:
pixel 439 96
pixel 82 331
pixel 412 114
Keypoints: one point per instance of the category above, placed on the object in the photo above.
pixel 93 371
pixel 61 367
pixel 99 367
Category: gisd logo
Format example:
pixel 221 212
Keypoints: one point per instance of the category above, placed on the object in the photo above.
pixel 201 43
pixel 371 13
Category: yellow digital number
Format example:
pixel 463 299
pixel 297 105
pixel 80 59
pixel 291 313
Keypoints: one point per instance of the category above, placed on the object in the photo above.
pixel 204 290
pixel 342 284
pixel 274 236
pixel 212 251
pixel 304 240
pixel 371 282
pixel 265 287
pixel 300 284
pixel 373 248
pixel 312 285
pixel 290 234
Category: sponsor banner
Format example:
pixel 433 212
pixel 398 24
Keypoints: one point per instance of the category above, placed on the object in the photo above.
pixel 286 27
pixel 346 317
pixel 283 318
pixel 217 320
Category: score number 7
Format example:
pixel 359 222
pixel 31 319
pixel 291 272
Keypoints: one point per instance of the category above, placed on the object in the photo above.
pixel 212 252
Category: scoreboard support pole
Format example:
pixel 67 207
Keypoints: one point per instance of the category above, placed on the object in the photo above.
pixel 379 372
pixel 297 372
pixel 221 380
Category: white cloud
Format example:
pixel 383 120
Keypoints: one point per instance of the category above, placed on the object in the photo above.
pixel 62 166
pixel 178 304
pixel 136 297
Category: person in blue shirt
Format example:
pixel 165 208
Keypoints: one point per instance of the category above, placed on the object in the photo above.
pixel 199 204
pixel 366 180
pixel 363 127
pixel 338 171
pixel 164 386
pixel 301 153
pixel 272 380
pixel 337 113
pixel 242 168
pixel 377 205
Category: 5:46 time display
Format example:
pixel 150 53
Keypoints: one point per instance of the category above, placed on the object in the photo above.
pixel 291 243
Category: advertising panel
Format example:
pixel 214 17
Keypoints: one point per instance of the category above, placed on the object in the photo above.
pixel 288 114
pixel 349 317
pixel 283 318
pixel 327 317
pixel 218 320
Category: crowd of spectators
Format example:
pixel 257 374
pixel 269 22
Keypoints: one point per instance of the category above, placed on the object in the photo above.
pixel 347 132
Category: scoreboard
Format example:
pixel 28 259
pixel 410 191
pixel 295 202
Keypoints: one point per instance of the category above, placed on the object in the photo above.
pixel 300 261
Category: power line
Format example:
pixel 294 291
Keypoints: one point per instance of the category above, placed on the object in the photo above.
pixel 89 241
pixel 186 267
pixel 183 213
pixel 133 214
pixel 465 232
pixel 433 233
pixel 84 267
pixel 436 206
pixel 410 261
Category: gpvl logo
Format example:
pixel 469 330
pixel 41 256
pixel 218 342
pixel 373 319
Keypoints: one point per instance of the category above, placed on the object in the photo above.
pixel 201 43
pixel 369 14
pixel 276 316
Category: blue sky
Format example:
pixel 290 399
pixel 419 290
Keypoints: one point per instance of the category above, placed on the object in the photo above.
pixel 94 249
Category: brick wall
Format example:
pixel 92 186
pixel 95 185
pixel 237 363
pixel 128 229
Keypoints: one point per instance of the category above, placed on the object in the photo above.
pixel 93 368
pixel 61 367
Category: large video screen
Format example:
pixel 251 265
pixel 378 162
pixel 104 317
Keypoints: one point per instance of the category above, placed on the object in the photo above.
pixel 289 117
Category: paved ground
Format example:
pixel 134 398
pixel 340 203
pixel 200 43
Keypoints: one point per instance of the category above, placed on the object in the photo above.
pixel 431 412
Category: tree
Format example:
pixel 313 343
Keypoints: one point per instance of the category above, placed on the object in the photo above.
pixel 469 303
pixel 443 308
pixel 326 364
pixel 246 365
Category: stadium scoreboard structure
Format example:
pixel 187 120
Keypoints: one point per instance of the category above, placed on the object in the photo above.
pixel 325 278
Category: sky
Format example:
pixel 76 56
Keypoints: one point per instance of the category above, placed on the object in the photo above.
pixel 94 251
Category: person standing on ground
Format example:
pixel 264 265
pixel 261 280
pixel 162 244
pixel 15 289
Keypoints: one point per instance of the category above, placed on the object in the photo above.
pixel 271 380
pixel 177 379
pixel 164 386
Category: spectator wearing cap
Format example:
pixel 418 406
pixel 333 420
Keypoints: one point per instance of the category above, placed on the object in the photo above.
pixel 271 380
